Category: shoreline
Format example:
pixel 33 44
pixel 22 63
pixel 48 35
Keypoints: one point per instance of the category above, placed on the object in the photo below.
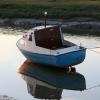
pixel 77 25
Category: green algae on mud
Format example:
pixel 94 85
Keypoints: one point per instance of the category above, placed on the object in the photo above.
pixel 60 9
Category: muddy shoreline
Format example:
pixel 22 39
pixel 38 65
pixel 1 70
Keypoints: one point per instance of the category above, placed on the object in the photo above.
pixel 75 25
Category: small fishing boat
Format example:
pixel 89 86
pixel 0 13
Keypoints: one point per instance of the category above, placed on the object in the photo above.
pixel 46 45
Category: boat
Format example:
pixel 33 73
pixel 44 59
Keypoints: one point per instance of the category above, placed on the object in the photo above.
pixel 46 45
pixel 56 77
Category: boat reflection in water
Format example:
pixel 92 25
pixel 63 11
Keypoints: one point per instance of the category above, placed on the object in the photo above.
pixel 42 90
pixel 45 82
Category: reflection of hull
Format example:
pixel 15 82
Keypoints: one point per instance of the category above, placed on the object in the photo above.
pixel 56 77
pixel 62 60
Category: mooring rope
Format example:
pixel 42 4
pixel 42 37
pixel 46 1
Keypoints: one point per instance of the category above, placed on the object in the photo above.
pixel 93 87
pixel 92 49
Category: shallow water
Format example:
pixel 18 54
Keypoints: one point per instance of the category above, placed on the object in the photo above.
pixel 11 59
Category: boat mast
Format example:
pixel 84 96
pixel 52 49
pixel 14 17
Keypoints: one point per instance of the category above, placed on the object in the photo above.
pixel 45 15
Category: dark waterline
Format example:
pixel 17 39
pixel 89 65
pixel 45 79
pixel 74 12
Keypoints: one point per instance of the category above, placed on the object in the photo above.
pixel 11 59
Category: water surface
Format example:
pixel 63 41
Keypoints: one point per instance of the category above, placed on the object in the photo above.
pixel 11 59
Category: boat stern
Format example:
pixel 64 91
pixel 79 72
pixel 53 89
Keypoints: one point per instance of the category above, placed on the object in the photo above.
pixel 71 58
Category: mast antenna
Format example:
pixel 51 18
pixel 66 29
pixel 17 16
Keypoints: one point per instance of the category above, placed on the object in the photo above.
pixel 45 15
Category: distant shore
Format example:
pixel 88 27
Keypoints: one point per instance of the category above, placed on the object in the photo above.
pixel 77 25
pixel 75 16
pixel 61 9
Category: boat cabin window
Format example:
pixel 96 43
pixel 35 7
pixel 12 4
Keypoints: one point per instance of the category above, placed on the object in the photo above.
pixel 48 38
pixel 28 37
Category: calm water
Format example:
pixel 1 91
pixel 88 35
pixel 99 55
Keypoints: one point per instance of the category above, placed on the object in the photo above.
pixel 12 84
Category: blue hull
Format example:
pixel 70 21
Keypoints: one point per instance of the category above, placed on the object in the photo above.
pixel 63 60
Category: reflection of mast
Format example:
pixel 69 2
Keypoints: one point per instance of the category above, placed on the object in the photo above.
pixel 42 90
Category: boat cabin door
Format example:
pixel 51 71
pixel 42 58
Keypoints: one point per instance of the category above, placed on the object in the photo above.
pixel 48 38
